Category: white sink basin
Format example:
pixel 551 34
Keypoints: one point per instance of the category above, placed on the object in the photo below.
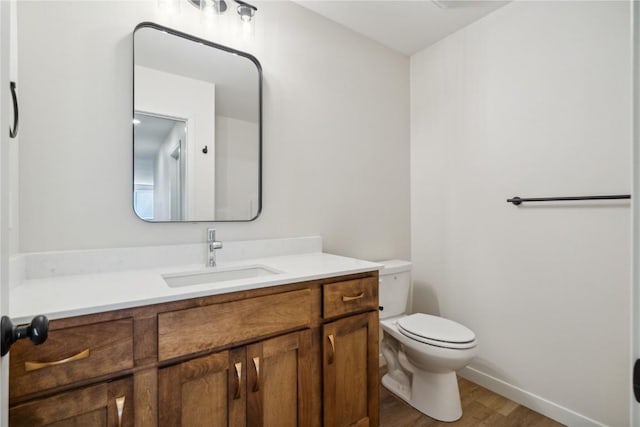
pixel 216 275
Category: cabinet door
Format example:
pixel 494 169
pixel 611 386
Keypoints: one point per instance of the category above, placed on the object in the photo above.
pixel 108 404
pixel 206 391
pixel 279 381
pixel 350 371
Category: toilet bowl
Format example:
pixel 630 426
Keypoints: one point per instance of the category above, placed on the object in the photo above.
pixel 423 352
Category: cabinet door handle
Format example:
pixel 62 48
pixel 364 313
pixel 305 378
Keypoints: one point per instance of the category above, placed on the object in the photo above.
pixel 332 350
pixel 256 366
pixel 346 298
pixel 238 368
pixel 14 132
pixel 120 407
pixel 34 366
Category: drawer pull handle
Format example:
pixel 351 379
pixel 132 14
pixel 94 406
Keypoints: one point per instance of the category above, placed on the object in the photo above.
pixel 120 407
pixel 332 353
pixel 34 366
pixel 256 365
pixel 238 377
pixel 346 298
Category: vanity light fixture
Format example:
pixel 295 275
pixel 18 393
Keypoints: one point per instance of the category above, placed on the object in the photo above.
pixel 216 6
pixel 245 10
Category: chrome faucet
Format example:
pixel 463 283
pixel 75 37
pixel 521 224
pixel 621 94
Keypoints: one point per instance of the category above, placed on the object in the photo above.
pixel 212 245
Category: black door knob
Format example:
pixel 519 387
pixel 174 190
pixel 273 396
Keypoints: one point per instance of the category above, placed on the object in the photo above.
pixel 37 331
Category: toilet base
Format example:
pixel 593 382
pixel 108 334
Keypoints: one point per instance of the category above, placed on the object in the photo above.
pixel 434 394
pixel 395 387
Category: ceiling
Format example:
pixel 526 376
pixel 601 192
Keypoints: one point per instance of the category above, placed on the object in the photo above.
pixel 406 26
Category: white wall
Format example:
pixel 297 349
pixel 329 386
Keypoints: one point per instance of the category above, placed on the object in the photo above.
pixel 533 100
pixel 336 130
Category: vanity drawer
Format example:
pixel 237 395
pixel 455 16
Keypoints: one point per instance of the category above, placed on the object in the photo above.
pixel 208 327
pixel 70 355
pixel 349 297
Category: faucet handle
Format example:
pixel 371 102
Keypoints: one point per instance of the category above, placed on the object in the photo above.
pixel 211 239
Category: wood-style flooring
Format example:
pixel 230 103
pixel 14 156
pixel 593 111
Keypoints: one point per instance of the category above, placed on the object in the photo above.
pixel 480 408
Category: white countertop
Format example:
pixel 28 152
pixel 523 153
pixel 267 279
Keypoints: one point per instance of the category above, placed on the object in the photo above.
pixel 80 294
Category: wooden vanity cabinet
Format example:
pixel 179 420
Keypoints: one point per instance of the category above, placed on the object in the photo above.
pixel 201 392
pixel 350 354
pixel 279 382
pixel 350 364
pixel 105 404
pixel 99 353
pixel 261 384
pixel 70 355
pixel 304 354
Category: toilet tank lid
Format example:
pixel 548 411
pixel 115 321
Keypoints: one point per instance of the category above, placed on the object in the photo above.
pixel 394 266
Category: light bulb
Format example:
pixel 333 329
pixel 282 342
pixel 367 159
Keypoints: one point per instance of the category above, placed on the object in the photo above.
pixel 246 11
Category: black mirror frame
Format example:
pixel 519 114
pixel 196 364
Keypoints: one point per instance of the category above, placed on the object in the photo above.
pixel 216 46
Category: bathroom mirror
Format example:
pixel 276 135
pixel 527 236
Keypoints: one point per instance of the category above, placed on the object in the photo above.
pixel 197 129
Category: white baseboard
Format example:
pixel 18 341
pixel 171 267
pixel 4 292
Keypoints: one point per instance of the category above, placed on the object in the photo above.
pixel 545 407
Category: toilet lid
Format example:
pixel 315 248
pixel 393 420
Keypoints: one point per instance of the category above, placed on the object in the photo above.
pixel 436 330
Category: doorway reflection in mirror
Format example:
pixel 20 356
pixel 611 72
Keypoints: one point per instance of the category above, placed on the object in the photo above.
pixel 159 172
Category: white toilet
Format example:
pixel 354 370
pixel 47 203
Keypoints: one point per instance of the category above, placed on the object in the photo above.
pixel 422 352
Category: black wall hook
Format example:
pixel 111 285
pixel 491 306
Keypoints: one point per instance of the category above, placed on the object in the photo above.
pixel 205 150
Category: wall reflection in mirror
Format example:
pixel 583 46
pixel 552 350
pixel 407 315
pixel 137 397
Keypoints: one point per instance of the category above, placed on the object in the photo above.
pixel 197 129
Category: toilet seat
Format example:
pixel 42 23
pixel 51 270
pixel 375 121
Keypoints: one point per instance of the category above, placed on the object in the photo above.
pixel 436 331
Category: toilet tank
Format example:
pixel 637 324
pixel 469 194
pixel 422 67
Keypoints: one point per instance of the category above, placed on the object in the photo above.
pixel 395 284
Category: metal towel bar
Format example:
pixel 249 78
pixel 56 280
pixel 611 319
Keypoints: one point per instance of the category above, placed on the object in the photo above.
pixel 519 200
